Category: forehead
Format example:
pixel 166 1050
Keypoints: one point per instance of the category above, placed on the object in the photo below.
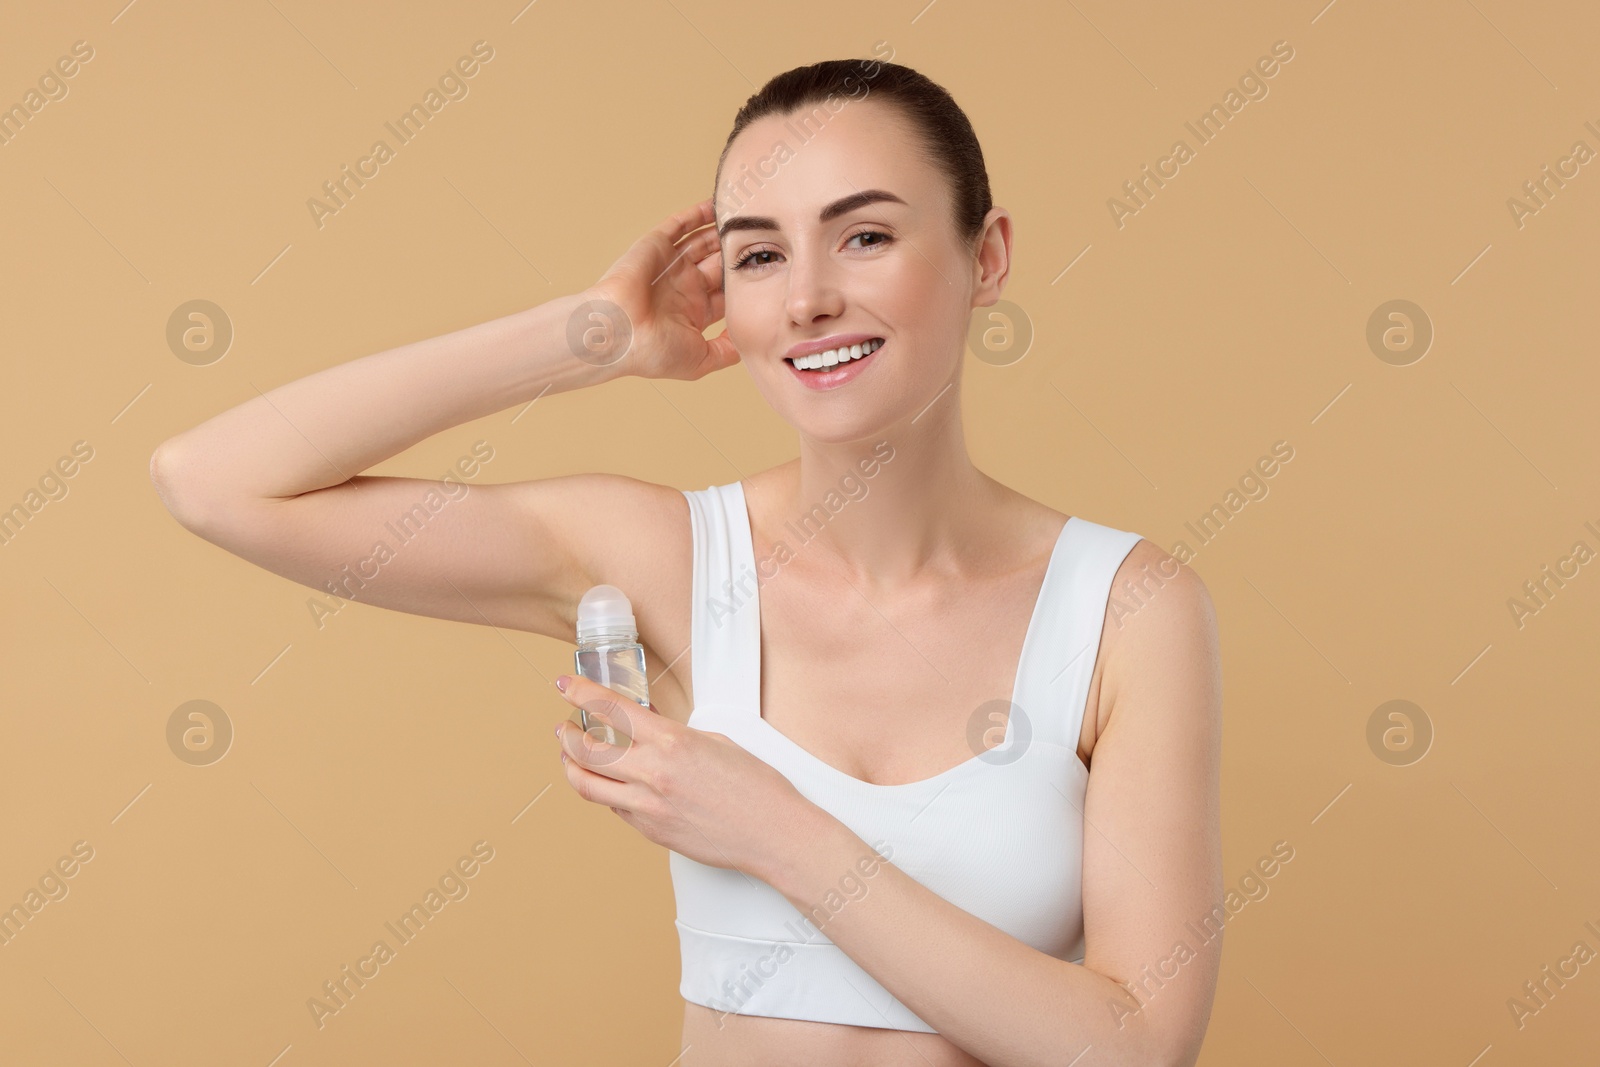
pixel 787 167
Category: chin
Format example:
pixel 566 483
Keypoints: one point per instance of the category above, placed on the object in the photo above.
pixel 845 424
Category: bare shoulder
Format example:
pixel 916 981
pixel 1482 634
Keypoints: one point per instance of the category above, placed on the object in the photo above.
pixel 1160 631
pixel 1155 790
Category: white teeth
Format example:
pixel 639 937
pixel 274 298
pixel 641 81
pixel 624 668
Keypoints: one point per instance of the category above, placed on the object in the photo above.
pixel 818 360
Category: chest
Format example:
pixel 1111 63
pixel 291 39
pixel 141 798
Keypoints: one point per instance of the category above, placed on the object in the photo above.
pixel 887 687
pixel 863 718
pixel 891 691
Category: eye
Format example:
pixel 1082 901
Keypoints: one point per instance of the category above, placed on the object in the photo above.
pixel 749 256
pixel 872 233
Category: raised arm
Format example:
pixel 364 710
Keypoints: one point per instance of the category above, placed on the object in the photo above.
pixel 277 479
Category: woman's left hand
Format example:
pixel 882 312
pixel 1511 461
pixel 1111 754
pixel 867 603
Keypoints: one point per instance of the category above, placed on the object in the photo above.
pixel 692 791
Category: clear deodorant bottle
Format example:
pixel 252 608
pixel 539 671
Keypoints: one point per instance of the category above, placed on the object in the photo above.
pixel 609 651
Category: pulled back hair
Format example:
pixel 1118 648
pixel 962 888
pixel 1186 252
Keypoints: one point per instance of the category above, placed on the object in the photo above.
pixel 940 128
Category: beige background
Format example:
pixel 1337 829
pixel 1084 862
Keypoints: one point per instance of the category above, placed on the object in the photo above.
pixel 1228 314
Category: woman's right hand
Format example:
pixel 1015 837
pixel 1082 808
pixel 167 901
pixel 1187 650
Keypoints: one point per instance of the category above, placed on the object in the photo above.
pixel 669 285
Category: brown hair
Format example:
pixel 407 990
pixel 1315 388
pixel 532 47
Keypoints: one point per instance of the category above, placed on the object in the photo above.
pixel 939 125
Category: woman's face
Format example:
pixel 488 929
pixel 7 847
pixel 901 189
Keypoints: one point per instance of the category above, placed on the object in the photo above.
pixel 892 268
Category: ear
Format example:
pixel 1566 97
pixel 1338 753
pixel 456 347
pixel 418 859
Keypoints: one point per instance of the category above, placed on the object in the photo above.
pixel 992 266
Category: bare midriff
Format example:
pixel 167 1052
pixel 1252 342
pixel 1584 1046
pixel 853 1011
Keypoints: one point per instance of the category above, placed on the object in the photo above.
pixel 718 1039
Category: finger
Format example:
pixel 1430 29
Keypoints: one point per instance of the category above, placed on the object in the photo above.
pixel 682 222
pixel 699 245
pixel 710 265
pixel 636 726
pixel 712 227
pixel 695 250
pixel 723 350
pixel 599 789
pixel 589 694
pixel 711 275
pixel 588 749
pixel 716 309
pixel 689 252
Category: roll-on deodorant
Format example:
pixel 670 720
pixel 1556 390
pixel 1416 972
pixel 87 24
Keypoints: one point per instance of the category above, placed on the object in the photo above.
pixel 609 651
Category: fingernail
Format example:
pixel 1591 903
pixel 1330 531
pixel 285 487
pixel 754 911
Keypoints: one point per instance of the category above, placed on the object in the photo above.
pixel 561 683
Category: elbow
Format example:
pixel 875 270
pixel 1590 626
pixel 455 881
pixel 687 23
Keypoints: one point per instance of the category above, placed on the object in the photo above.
pixel 1163 1041
pixel 1173 1055
pixel 174 488
pixel 1175 1047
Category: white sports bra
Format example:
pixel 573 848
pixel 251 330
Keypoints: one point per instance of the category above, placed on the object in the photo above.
pixel 1000 836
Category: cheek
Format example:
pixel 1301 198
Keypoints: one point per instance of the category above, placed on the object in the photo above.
pixel 915 293
pixel 752 322
pixel 744 338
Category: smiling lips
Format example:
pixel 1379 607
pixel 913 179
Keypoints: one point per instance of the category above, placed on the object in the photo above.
pixel 820 360
pixel 827 370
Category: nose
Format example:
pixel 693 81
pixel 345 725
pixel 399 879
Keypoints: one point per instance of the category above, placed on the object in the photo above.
pixel 813 287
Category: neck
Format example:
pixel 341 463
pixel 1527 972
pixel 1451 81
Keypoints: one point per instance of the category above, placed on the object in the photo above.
pixel 924 502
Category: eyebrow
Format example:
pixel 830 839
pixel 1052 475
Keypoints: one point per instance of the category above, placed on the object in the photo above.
pixel 839 207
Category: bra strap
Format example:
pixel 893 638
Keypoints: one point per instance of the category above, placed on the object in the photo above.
pixel 724 619
pixel 1054 686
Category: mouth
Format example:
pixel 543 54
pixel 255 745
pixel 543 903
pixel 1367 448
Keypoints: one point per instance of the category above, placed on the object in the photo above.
pixel 823 363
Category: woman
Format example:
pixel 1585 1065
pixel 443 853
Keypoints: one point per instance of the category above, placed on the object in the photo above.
pixel 878 857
